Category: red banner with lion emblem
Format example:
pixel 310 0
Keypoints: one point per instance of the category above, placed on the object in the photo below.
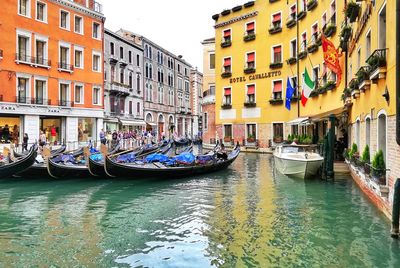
pixel 331 58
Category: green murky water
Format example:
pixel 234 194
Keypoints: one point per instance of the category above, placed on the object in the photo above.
pixel 242 217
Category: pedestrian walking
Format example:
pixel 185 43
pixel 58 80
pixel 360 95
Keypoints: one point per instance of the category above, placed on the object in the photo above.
pixel 25 142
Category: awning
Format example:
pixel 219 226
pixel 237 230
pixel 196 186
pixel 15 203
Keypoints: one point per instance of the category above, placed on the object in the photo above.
pixel 250 26
pixel 132 123
pixel 277 86
pixel 151 124
pixel 298 121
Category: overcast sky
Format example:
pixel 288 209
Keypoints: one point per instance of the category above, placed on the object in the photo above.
pixel 177 25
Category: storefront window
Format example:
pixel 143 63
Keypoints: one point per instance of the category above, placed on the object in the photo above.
pixel 9 129
pixel 52 129
pixel 85 130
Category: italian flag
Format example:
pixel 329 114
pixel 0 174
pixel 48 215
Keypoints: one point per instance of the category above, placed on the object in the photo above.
pixel 308 87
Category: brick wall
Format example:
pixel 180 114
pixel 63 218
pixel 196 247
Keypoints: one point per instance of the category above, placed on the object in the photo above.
pixel 209 130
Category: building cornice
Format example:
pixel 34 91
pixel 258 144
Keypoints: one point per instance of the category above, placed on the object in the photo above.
pixel 80 8
pixel 236 19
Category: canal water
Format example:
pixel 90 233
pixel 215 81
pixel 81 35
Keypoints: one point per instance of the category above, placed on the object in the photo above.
pixel 246 216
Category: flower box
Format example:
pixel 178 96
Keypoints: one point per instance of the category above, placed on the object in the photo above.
pixel 226 74
pixel 251 140
pixel 330 85
pixel 226 106
pixel 249 37
pixel 291 61
pixel 227 139
pixel 301 14
pixel 346 33
pixel 273 1
pixel 355 93
pixel 291 22
pixel 302 55
pixel 275 29
pixel 312 48
pixel 330 30
pixel 278 139
pixel 275 101
pixel 276 65
pixel 250 104
pixel 227 43
pixel 352 11
pixel 249 70
pixel 311 4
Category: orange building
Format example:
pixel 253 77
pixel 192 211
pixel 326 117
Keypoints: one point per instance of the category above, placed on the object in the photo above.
pixel 51 70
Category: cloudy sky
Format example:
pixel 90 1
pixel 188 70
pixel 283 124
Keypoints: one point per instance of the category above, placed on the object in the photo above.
pixel 177 25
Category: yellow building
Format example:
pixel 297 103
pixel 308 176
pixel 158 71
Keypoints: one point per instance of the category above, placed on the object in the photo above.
pixel 256 52
pixel 260 44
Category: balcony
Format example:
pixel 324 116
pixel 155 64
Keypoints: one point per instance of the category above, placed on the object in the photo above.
pixel 302 55
pixel 249 68
pixel 312 47
pixel 275 101
pixel 363 78
pixel 65 103
pixel 37 101
pixel 113 59
pixel 301 14
pixel 377 63
pixel 226 43
pixel 353 86
pixel 120 88
pixel 32 61
pixel 64 67
pixel 291 60
pixel 226 72
pixel 276 65
pixel 275 28
pixel 330 29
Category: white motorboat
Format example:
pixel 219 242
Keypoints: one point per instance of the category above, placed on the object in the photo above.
pixel 296 161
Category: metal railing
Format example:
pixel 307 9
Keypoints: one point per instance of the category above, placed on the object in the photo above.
pixel 64 66
pixel 377 59
pixel 65 103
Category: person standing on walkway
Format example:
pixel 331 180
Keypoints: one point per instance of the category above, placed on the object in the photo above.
pixel 102 137
pixel 25 142
pixel 53 133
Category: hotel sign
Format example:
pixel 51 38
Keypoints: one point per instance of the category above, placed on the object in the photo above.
pixel 253 77
pixel 361 25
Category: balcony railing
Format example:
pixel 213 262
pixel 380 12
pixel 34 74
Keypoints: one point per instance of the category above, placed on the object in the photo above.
pixel 37 61
pixel 120 88
pixel 377 59
pixel 24 58
pixel 62 66
pixel 65 103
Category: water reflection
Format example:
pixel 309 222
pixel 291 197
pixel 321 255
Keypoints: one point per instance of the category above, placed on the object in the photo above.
pixel 247 216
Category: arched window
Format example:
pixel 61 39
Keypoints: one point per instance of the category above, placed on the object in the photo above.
pixel 382 133
pixel 368 131
pixel 146 51
pixel 149 117
pixel 151 71
pixel 147 70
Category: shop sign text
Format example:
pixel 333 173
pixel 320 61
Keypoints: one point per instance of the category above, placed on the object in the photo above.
pixel 253 77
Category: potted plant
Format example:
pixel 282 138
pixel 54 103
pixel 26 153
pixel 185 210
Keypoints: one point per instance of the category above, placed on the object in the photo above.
pixel 365 159
pixel 251 139
pixel 352 11
pixel 302 54
pixel 227 139
pixel 291 21
pixel 249 37
pixel 346 33
pixel 312 48
pixel 376 60
pixel 353 85
pixel 330 85
pixel 226 43
pixel 292 60
pixel 311 4
pixel 354 154
pixel 379 168
pixel 278 139
pixel 275 28
pixel 275 101
pixel 330 29
pixel 290 138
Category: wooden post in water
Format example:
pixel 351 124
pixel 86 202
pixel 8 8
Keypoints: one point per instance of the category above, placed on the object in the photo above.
pixel 331 148
pixel 396 210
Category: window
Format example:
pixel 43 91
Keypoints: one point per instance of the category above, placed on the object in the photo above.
pixel 251 94
pixel 187 86
pixel 293 12
pixel 41 52
pixel 205 121
pixel 227 131
pixel 137 60
pixel 212 61
pixel 277 53
pixel 96 63
pixel 147 70
pixel 323 22
pixel 40 91
pixel 160 95
pixel 96 30
pixel 314 30
pixel 304 41
pixel 138 83
pixel 64 58
pixel 24 44
pixel 211 90
pixel 250 28
pixel 382 28
pixel 151 71
pixel 138 108
pixel 293 48
pixel 64 19
pixel 63 95
pixel 227 65
pixel 79 94
pixel 251 132
pixel 24 8
pixel 130 81
pixel 130 107
pixel 368 45
pixel 41 11
pixel 368 131
pixel 112 74
pixel 358 58
pixel 227 100
pixel 227 36
pixel 78 24
pixel 150 53
pixel 324 73
pixel 130 56
pixel 303 5
pixel 276 21
pixel 23 89
pixel 277 129
pixel 96 96
pixel 78 57
pixel 186 72
pixel 121 76
pixel 112 48
pixel 146 51
pixel 277 90
pixel 179 68
pixel 180 85
pixel 251 60
pixel 293 81
pixel 333 13
pixel 121 52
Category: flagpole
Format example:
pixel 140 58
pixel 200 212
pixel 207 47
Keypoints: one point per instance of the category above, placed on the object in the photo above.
pixel 297 56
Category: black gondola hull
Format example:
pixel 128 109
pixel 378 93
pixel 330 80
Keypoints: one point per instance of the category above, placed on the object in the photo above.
pixel 19 165
pixel 63 171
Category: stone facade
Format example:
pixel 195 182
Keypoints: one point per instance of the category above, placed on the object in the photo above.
pixel 196 84
pixel 123 73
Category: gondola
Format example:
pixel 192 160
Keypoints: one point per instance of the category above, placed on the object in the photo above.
pixel 159 170
pixel 183 142
pixel 53 152
pixel 39 167
pixel 95 162
pixel 18 164
pixel 77 169
pixel 96 168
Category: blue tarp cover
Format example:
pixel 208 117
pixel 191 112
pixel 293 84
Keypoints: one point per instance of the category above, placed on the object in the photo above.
pixel 127 158
pixel 97 157
pixel 185 158
pixel 156 158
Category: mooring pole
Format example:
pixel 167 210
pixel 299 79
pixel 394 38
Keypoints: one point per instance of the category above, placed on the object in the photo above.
pixel 331 148
pixel 396 210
